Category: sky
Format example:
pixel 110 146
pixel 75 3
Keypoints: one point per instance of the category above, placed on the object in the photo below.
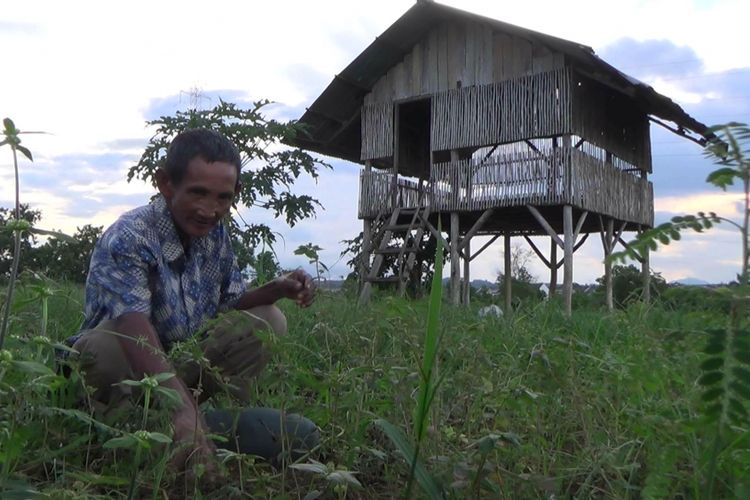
pixel 91 73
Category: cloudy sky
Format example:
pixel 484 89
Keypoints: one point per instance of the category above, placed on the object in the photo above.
pixel 91 74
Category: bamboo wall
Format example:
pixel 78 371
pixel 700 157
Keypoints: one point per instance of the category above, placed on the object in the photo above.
pixel 520 108
pixel 610 120
pixel 556 177
pixel 530 106
pixel 377 130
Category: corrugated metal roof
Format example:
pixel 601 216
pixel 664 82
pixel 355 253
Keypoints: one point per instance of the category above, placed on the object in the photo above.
pixel 335 114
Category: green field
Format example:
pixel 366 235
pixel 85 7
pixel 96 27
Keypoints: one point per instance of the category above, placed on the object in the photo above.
pixel 532 405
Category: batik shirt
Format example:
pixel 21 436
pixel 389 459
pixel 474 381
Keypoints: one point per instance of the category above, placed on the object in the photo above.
pixel 140 265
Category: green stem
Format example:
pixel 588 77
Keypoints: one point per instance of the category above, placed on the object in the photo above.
pixel 136 465
pixel 45 315
pixel 16 259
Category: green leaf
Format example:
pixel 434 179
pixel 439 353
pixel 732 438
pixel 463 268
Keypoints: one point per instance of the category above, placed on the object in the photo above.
pixel 712 364
pixel 128 441
pixel 741 373
pixel 24 151
pixel 723 177
pixel 313 466
pixel 712 394
pixel 714 347
pixel 710 378
pixel 56 234
pixel 32 367
pixel 741 389
pixel 168 394
pixel 162 377
pixel 158 437
pixel 397 437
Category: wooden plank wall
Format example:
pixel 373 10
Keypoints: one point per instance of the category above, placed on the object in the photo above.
pixel 462 51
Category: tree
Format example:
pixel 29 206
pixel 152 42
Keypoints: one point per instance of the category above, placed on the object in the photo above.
pixel 28 240
pixel 519 258
pixel 268 172
pixel 68 259
pixel 627 284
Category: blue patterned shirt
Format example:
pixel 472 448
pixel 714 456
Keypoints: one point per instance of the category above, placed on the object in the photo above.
pixel 139 265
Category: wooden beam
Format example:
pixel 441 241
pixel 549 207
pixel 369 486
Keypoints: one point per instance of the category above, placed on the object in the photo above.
pixel 579 226
pixel 625 244
pixel 580 243
pixel 575 248
pixel 484 247
pixel 342 128
pixel 537 251
pixel 568 265
pixel 476 227
pixel 545 225
pixel 436 233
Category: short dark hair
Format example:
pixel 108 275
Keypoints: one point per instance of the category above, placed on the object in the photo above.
pixel 199 143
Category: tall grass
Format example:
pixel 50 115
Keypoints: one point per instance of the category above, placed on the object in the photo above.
pixel 602 405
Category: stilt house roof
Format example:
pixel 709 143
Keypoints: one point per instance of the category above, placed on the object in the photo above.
pixel 333 120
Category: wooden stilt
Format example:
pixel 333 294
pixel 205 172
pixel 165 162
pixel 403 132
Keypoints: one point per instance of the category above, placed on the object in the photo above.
pixel 608 243
pixel 553 267
pixel 467 274
pixel 646 275
pixel 508 278
pixel 455 261
pixel 568 265
pixel 364 264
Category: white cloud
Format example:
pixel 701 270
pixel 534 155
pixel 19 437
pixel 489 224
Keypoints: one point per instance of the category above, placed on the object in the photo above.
pixel 87 71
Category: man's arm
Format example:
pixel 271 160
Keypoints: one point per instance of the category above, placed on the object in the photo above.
pixel 297 285
pixel 146 356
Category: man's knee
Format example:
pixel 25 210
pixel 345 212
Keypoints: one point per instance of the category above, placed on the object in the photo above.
pixel 103 363
pixel 268 318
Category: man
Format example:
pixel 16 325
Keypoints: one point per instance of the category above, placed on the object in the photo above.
pixel 160 272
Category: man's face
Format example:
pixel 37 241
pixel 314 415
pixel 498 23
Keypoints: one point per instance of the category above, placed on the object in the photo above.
pixel 202 198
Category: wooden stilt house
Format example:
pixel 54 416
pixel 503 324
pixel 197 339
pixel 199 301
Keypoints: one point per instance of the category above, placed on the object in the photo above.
pixel 497 130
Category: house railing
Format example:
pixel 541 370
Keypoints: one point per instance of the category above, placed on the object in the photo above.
pixel 552 177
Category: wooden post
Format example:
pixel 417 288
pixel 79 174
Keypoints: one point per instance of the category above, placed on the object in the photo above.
pixel 364 264
pixel 508 278
pixel 467 274
pixel 553 268
pixel 608 245
pixel 646 275
pixel 646 261
pixel 455 261
pixel 364 268
pixel 568 264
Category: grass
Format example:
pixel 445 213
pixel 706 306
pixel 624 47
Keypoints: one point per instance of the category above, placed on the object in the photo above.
pixel 532 405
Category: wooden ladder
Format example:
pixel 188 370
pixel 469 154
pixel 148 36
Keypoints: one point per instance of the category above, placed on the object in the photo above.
pixel 406 251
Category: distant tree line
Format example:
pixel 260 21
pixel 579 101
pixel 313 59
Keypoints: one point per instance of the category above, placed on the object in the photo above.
pixel 56 258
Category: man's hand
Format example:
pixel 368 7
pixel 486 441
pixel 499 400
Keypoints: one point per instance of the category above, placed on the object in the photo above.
pixel 298 286
pixel 194 447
